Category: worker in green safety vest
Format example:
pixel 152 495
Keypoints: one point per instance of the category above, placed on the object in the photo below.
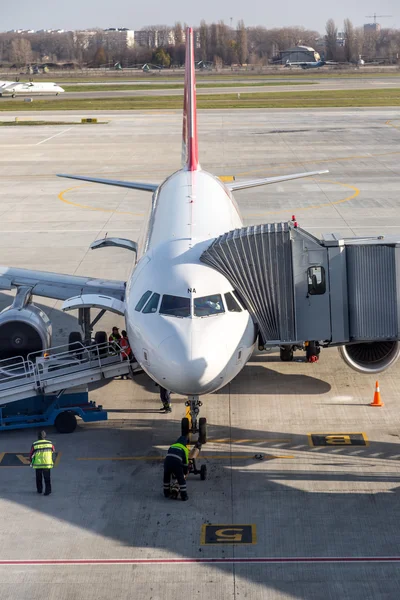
pixel 176 463
pixel 42 461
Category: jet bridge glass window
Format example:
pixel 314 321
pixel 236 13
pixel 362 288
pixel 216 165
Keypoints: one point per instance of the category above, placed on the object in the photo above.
pixel 231 303
pixel 143 300
pixel 205 306
pixel 175 306
pixel 316 281
pixel 152 304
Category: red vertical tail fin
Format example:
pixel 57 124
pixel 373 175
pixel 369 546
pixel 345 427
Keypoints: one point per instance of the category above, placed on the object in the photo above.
pixel 190 152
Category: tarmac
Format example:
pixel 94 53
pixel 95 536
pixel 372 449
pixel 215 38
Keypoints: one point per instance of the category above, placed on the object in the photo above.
pixel 319 522
pixel 300 84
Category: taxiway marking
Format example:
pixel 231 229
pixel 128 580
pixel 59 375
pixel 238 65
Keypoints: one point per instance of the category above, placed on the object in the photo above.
pixel 319 161
pixel 248 441
pixel 53 136
pixel 247 456
pixel 390 123
pixel 85 207
pixel 185 561
pixel 315 206
pixel 247 215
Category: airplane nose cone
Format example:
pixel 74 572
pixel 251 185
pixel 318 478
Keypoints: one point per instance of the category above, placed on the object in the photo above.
pixel 190 373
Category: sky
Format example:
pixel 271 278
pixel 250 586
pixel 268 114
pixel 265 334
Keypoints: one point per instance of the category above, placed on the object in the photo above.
pixel 78 14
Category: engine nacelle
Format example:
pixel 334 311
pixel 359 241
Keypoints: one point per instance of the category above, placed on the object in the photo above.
pixel 370 357
pixel 23 330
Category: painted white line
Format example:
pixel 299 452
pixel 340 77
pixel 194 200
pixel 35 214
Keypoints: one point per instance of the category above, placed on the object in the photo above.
pixel 185 561
pixel 53 136
pixel 61 230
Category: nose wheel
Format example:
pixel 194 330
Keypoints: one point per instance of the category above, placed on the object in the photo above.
pixel 194 424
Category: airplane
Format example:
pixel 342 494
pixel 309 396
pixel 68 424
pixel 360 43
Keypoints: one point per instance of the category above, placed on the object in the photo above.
pixel 188 328
pixel 309 65
pixel 20 88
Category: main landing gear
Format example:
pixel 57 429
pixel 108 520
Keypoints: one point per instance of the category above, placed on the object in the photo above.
pixel 194 424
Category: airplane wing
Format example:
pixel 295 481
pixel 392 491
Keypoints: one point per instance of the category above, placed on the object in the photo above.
pixel 135 185
pixel 243 185
pixel 58 286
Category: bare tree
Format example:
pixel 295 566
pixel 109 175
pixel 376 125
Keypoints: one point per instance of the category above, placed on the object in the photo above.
pixel 21 51
pixel 349 41
pixel 330 40
pixel 178 33
pixel 204 40
pixel 241 43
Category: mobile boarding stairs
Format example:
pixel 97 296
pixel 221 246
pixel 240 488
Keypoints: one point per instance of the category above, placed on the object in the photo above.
pixel 56 370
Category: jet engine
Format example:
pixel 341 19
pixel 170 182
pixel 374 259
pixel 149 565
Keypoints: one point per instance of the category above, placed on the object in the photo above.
pixel 23 330
pixel 370 357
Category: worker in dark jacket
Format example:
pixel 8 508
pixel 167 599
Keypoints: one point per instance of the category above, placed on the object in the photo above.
pixel 41 457
pixel 177 463
pixel 165 397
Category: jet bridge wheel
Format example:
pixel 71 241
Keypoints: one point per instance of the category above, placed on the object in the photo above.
pixel 65 422
pixel 286 353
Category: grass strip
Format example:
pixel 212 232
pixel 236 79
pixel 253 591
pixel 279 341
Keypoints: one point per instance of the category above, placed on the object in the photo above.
pixel 37 123
pixel 174 86
pixel 314 99
pixel 177 77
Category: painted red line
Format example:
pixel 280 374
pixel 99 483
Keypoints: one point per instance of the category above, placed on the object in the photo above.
pixel 185 561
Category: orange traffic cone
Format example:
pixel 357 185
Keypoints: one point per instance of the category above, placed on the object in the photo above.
pixel 377 396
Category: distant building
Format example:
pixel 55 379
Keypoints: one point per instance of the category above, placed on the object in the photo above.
pixel 83 38
pixel 154 38
pixel 372 28
pixel 122 36
pixel 299 54
pixel 340 39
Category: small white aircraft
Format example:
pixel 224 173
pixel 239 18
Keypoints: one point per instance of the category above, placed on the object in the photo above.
pixel 314 64
pixel 30 88
pixel 187 327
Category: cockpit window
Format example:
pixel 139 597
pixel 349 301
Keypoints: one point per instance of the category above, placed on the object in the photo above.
pixel 208 305
pixel 175 306
pixel 143 300
pixel 239 299
pixel 231 303
pixel 152 305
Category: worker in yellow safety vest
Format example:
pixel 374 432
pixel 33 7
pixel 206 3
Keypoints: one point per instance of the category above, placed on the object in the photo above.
pixel 176 463
pixel 42 461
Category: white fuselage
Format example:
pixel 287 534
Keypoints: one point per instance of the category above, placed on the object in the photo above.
pixel 19 88
pixel 193 354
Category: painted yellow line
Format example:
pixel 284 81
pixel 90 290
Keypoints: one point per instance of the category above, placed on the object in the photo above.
pixel 1 456
pixel 248 441
pixel 390 123
pixel 315 206
pixel 255 215
pixel 226 178
pixel 205 456
pixel 331 160
pixel 85 207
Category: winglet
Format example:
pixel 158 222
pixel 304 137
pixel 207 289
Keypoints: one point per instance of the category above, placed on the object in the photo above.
pixel 190 152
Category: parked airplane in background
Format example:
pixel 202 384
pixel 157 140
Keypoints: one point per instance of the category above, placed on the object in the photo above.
pixel 309 65
pixel 188 328
pixel 30 88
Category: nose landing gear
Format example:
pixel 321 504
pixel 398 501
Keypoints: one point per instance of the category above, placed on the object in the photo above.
pixel 194 425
